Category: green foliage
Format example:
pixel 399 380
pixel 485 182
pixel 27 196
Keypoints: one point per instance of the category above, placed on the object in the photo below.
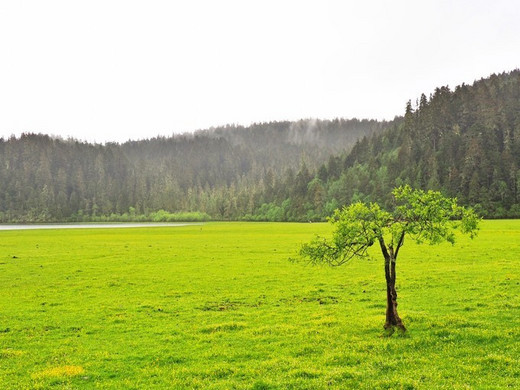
pixel 218 306
pixel 268 212
pixel 422 215
pixel 429 216
pixel 155 216
pixel 356 228
pixel 164 216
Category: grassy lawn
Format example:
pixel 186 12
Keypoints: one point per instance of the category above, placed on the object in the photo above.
pixel 219 306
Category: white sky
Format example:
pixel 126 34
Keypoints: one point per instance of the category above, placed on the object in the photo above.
pixel 113 70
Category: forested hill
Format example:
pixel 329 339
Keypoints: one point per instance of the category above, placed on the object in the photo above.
pixel 222 171
pixel 464 142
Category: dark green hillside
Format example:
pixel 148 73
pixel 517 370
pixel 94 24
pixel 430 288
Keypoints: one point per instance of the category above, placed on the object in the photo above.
pixel 222 171
pixel 465 142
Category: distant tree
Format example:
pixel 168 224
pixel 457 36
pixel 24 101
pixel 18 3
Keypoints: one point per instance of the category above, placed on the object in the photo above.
pixel 422 216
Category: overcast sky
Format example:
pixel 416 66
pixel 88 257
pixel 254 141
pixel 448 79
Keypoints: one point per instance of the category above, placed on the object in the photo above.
pixel 113 70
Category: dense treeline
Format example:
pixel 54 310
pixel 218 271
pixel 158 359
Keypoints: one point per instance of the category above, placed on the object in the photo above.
pixel 465 143
pixel 222 172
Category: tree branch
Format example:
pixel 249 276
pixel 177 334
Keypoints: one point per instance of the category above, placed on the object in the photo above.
pixel 399 244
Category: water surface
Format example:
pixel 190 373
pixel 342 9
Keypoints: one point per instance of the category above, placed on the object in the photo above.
pixel 90 225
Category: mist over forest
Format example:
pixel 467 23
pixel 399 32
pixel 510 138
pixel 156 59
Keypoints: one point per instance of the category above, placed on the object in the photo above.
pixel 463 141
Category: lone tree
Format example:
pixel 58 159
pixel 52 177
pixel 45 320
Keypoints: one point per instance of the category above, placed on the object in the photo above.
pixel 423 216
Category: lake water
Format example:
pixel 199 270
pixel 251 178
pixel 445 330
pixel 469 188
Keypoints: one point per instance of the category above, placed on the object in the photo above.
pixel 92 226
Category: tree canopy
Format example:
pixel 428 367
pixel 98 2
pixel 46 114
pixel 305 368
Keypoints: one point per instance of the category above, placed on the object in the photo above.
pixel 423 216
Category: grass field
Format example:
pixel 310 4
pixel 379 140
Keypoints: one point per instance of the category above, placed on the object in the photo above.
pixel 219 306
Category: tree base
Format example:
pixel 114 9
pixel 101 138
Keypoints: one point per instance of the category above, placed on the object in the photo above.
pixel 391 328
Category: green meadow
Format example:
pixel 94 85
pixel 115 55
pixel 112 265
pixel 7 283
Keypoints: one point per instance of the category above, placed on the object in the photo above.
pixel 220 306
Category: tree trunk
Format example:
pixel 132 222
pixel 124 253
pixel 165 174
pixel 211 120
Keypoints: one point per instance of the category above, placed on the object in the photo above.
pixel 392 318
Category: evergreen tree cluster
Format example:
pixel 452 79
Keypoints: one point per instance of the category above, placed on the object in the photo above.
pixel 222 171
pixel 463 142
